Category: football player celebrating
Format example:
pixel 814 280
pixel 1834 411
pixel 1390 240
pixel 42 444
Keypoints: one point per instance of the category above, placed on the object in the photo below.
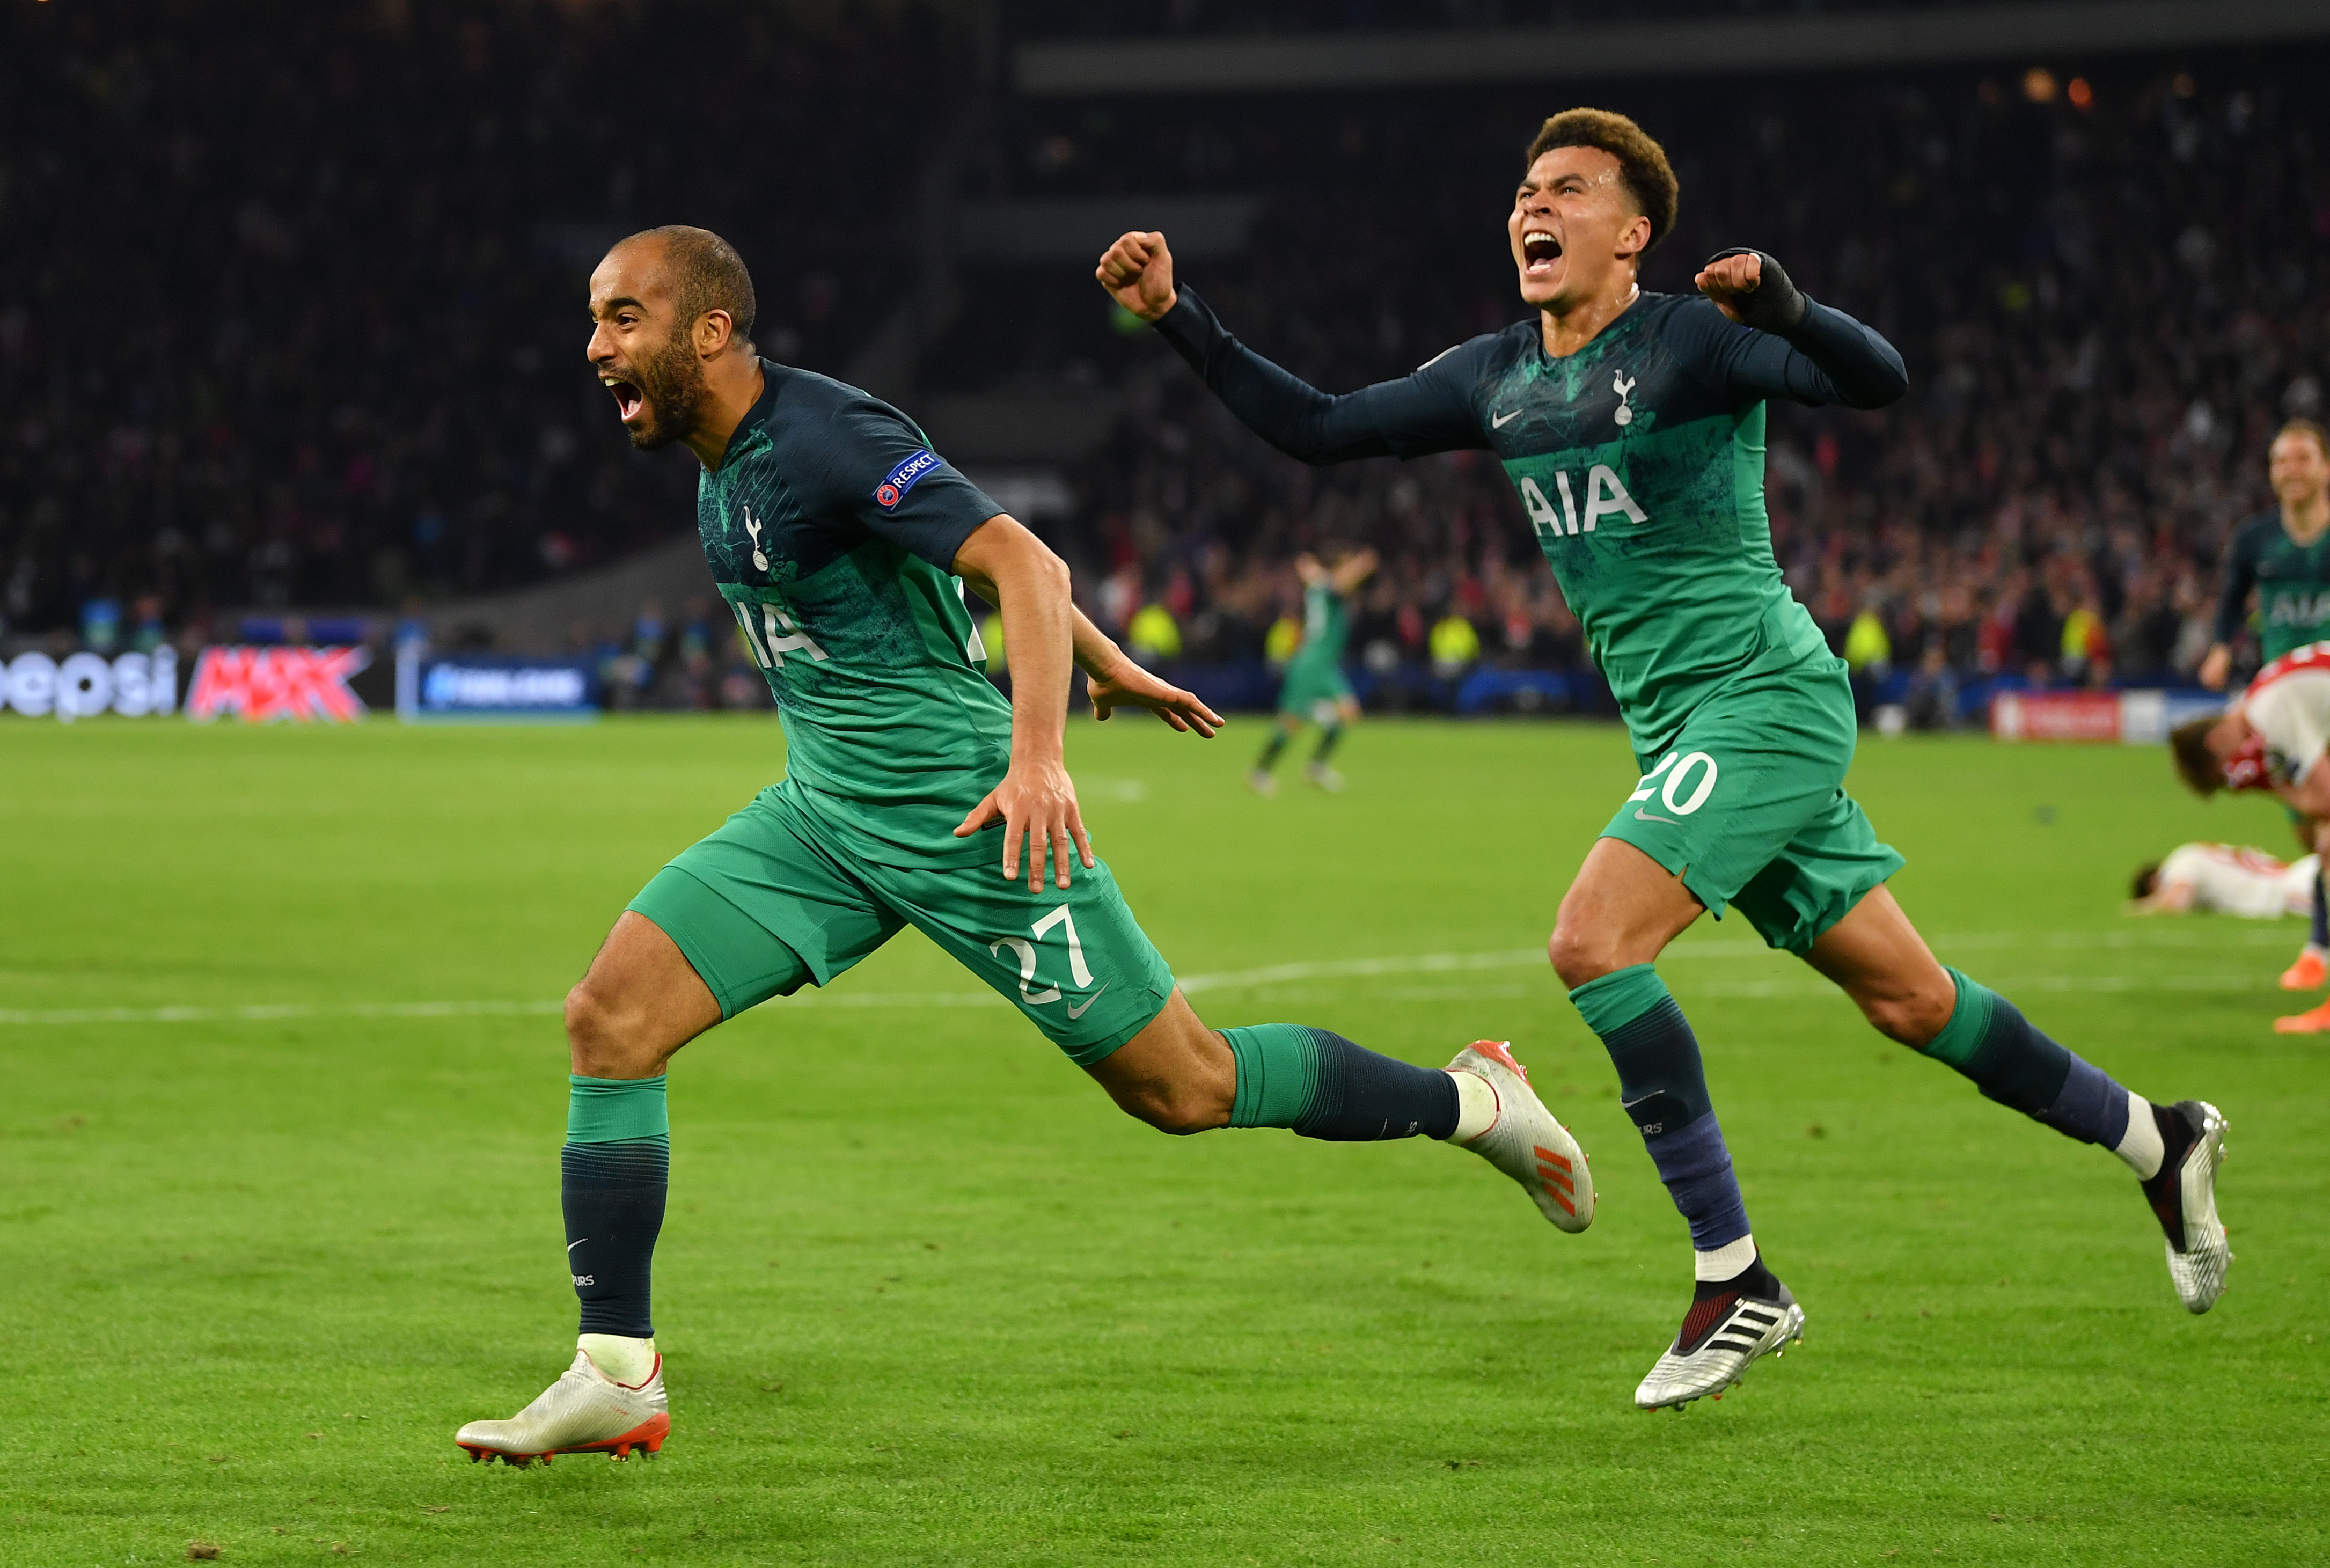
pixel 2272 738
pixel 1633 426
pixel 1315 687
pixel 843 544
pixel 2282 553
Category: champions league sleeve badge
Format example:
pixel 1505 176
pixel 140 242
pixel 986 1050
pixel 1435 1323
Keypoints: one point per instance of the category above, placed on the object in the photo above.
pixel 903 478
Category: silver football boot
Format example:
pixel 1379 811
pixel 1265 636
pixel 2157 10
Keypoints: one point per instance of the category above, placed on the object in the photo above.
pixel 2185 1196
pixel 1721 1338
pixel 1525 1141
pixel 585 1411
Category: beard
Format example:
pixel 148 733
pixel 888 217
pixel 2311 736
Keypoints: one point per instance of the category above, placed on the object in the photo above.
pixel 674 394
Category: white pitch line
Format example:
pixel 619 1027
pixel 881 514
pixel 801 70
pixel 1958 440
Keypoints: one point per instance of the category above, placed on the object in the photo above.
pixel 272 1011
pixel 1284 974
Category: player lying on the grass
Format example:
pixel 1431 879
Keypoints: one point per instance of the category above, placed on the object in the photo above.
pixel 842 542
pixel 2283 555
pixel 2272 737
pixel 1315 687
pixel 1633 426
pixel 2225 878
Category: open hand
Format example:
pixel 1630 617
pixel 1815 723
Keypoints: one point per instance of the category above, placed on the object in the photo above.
pixel 1036 804
pixel 1138 273
pixel 1128 685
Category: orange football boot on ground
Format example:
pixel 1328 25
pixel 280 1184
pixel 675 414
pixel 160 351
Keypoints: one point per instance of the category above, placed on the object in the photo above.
pixel 2312 1021
pixel 2308 973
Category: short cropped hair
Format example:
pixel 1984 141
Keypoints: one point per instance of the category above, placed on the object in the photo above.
pixel 1641 162
pixel 2309 430
pixel 707 274
pixel 2188 746
pixel 2147 879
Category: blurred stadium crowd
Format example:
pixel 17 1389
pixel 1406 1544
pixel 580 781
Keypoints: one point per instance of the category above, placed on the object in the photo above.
pixel 2109 294
pixel 305 329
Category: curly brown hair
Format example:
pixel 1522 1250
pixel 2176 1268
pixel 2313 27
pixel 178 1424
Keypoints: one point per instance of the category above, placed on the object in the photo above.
pixel 1641 162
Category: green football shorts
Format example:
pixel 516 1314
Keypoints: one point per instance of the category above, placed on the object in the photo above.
pixel 769 903
pixel 1748 804
pixel 1313 692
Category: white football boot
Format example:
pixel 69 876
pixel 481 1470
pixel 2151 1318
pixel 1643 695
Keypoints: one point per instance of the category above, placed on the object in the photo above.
pixel 2183 1194
pixel 1525 1141
pixel 586 1412
pixel 1721 1338
pixel 1324 777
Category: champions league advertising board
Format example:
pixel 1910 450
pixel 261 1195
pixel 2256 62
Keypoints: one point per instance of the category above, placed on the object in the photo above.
pixel 490 687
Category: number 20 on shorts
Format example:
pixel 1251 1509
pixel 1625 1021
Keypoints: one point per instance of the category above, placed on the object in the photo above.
pixel 1697 766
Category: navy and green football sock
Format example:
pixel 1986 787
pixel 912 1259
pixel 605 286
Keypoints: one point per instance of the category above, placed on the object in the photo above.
pixel 2321 933
pixel 1270 751
pixel 1322 1086
pixel 1989 1041
pixel 1328 737
pixel 1663 1085
pixel 614 1173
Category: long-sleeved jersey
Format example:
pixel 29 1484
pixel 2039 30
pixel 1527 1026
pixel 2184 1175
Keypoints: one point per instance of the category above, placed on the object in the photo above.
pixel 2292 582
pixel 1639 459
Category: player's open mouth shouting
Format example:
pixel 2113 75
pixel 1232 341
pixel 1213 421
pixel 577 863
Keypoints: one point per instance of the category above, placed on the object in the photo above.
pixel 1539 250
pixel 630 401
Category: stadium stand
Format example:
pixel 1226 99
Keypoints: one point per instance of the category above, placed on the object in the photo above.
pixel 2109 286
pixel 306 328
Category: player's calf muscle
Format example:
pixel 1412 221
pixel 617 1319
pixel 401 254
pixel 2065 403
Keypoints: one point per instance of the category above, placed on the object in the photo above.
pixel 1176 1074
pixel 1879 959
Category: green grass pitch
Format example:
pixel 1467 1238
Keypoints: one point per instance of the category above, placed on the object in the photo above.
pixel 928 1299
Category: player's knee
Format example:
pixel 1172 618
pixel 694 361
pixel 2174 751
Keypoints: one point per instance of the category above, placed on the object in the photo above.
pixel 1579 954
pixel 600 1043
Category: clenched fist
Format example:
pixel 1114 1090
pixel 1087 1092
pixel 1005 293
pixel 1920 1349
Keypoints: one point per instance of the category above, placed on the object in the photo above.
pixel 1138 273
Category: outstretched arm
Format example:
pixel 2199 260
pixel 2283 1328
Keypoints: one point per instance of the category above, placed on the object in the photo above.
pixel 1794 347
pixel 1354 569
pixel 1419 414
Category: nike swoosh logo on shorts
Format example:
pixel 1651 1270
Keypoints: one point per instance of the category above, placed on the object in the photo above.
pixel 1076 1013
pixel 1499 421
pixel 1643 816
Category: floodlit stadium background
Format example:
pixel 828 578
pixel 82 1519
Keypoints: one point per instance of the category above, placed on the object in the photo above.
pixel 290 341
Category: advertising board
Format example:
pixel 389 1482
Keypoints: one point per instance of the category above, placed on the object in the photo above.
pixel 277 685
pixel 2138 718
pixel 493 687
pixel 81 686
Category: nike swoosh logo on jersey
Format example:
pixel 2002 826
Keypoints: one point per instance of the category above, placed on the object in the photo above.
pixel 1076 1013
pixel 1643 816
pixel 572 1245
pixel 1499 421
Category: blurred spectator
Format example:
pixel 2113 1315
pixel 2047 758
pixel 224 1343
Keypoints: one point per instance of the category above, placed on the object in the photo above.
pixel 1455 646
pixel 1153 637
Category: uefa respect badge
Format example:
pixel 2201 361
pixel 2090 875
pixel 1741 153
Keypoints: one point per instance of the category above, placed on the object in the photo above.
pixel 903 478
